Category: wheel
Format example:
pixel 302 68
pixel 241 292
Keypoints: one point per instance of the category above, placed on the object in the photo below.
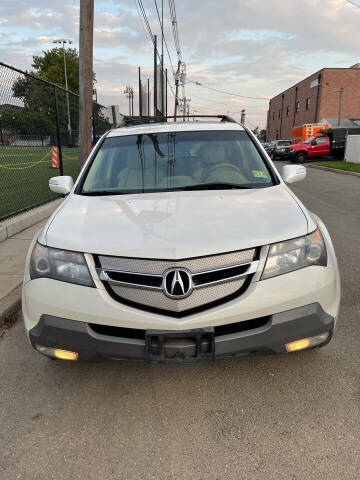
pixel 300 157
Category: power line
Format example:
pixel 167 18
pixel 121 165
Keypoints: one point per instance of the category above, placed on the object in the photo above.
pixel 175 28
pixel 148 28
pixel 224 103
pixel 226 93
pixel 162 31
pixel 147 24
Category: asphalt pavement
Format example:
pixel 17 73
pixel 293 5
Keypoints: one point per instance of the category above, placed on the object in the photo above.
pixel 268 417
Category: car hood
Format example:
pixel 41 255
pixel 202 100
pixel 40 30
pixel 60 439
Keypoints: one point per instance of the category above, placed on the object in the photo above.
pixel 176 225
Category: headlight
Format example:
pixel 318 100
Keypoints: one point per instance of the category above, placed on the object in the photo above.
pixel 59 265
pixel 285 257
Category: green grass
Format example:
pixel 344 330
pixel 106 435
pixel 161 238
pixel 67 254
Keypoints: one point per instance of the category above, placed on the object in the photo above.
pixel 25 173
pixel 341 165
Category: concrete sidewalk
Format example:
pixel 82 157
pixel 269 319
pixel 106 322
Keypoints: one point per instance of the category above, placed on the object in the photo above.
pixel 12 260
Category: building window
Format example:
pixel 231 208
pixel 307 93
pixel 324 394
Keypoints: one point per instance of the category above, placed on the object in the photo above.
pixel 287 111
pixel 273 115
pixel 297 106
pixel 308 103
pixel 279 113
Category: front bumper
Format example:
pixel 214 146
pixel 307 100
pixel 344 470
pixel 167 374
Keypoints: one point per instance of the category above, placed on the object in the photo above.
pixel 261 335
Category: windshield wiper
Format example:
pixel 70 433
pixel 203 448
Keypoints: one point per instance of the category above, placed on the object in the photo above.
pixel 215 186
pixel 98 193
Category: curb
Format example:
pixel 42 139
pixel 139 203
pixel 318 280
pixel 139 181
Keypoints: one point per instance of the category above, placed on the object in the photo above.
pixel 334 170
pixel 14 225
pixel 10 306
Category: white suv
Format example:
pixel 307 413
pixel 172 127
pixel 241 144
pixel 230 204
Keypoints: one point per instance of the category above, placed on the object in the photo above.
pixel 180 242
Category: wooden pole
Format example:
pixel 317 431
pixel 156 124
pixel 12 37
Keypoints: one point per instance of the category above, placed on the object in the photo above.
pixel 166 93
pixel 155 77
pixel 177 90
pixel 140 94
pixel 148 97
pixel 85 78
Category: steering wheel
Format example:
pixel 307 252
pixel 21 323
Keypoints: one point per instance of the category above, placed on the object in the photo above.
pixel 228 166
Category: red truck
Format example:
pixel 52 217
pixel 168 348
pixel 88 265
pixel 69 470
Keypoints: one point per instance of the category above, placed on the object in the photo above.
pixel 316 146
pixel 327 143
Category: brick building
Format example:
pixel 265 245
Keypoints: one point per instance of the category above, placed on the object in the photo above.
pixel 313 99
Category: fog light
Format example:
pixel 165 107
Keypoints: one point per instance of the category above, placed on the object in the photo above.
pixel 57 353
pixel 307 342
pixel 65 354
pixel 297 345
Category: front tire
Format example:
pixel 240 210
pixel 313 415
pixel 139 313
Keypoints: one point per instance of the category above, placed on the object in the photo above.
pixel 300 157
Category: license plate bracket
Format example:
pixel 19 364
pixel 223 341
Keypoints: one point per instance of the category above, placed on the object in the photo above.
pixel 169 347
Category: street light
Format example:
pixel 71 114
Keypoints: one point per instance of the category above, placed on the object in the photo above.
pixel 62 41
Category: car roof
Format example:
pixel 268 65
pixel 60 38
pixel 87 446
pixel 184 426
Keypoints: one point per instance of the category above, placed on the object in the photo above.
pixel 173 127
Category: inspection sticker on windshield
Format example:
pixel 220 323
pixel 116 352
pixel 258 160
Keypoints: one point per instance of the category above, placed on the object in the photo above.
pixel 260 174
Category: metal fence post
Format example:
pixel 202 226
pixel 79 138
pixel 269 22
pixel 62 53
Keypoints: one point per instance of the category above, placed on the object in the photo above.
pixel 58 132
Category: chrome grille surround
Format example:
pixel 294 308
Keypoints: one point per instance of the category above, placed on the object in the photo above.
pixel 158 267
pixel 140 281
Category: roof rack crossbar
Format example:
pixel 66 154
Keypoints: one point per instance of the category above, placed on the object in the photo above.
pixel 139 120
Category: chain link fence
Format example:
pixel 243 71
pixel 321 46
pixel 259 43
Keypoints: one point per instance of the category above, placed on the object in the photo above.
pixel 38 138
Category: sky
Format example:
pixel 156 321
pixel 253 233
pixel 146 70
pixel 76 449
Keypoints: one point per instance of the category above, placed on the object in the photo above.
pixel 254 48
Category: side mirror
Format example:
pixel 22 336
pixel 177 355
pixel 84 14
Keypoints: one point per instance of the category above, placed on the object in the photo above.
pixel 293 173
pixel 313 142
pixel 61 185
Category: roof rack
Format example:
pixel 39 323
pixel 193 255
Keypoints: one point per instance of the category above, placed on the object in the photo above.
pixel 138 120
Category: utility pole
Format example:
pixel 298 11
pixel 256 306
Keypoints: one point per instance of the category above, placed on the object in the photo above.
pixel 182 81
pixel 243 113
pixel 340 104
pixel 155 77
pixel 177 78
pixel 86 33
pixel 148 97
pixel 140 94
pixel 166 93
pixel 129 92
pixel 162 60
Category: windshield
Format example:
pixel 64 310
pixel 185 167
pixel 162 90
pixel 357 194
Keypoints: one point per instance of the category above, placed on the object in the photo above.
pixel 175 161
pixel 309 140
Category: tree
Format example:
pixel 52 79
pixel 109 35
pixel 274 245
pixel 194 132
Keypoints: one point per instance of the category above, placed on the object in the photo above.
pixel 37 117
pixel 50 67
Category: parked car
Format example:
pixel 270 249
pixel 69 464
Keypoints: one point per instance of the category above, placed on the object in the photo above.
pixel 266 146
pixel 180 243
pixel 277 148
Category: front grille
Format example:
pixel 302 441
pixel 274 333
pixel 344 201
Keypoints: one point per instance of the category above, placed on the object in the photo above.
pixel 199 297
pixel 140 282
pixel 157 267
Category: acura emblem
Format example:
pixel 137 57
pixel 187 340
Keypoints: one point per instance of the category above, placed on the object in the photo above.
pixel 177 283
